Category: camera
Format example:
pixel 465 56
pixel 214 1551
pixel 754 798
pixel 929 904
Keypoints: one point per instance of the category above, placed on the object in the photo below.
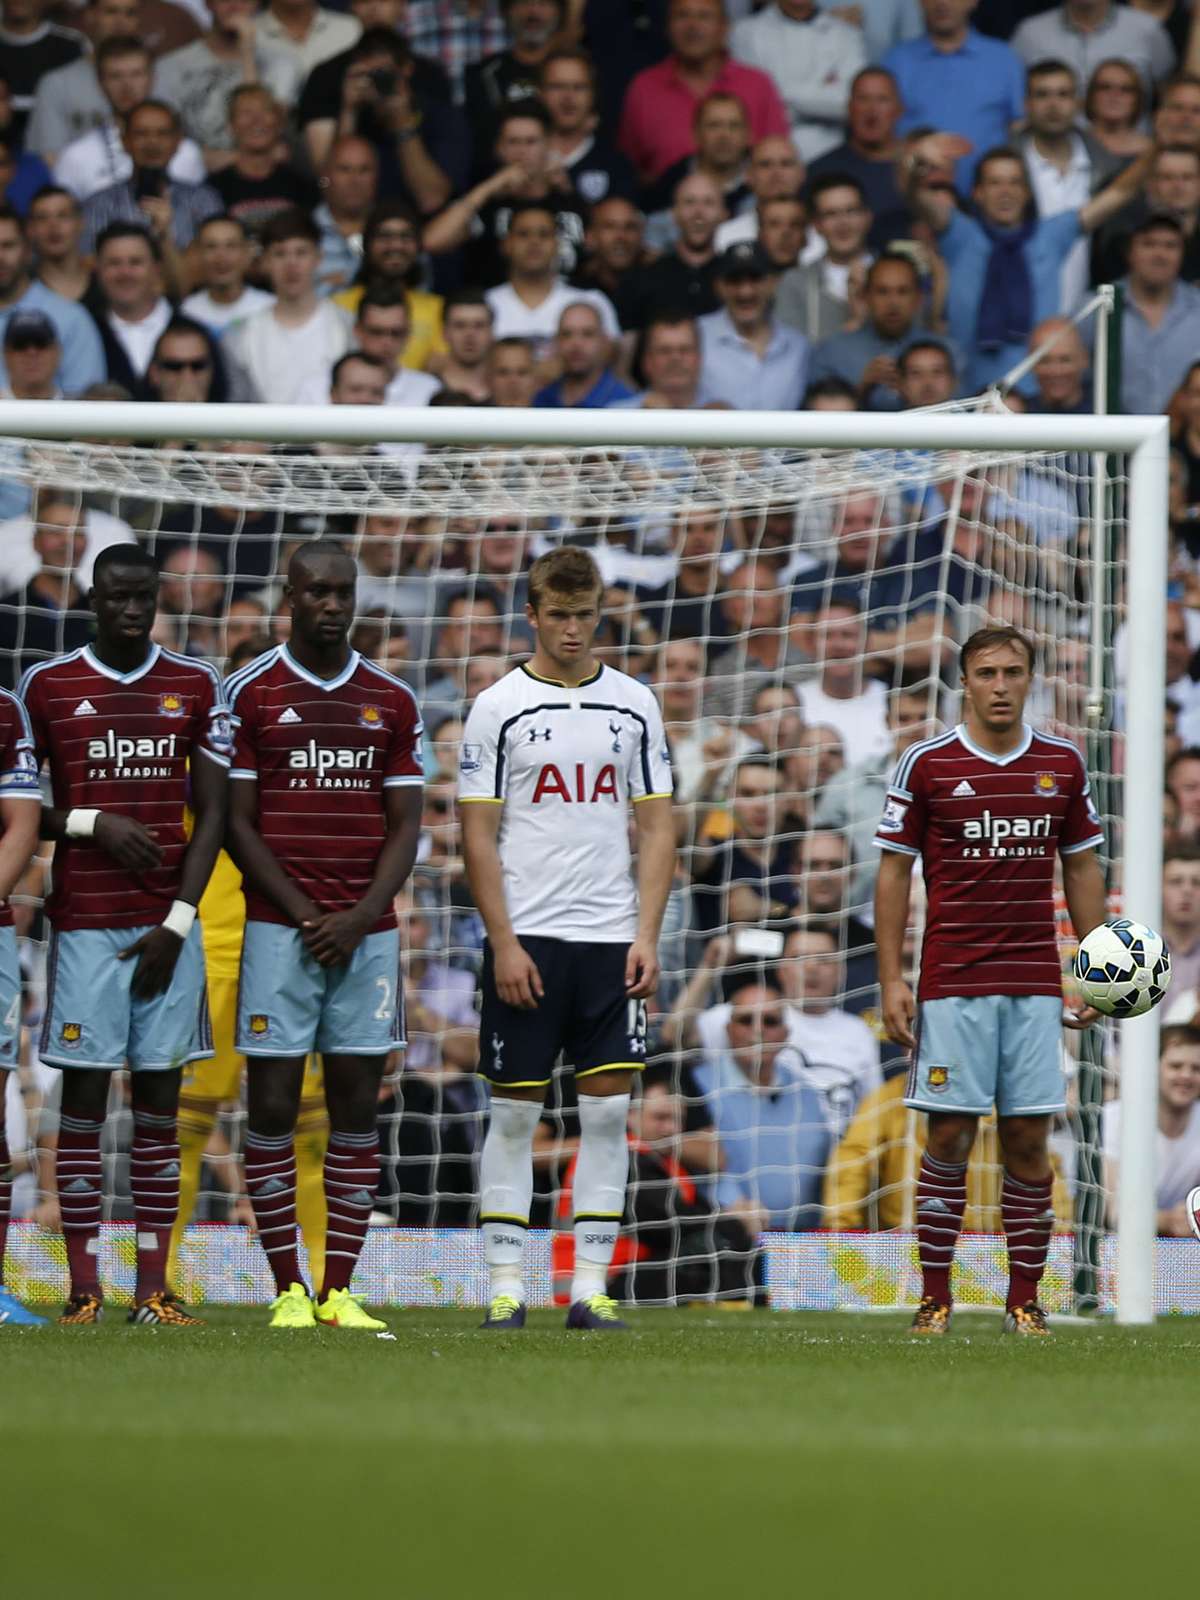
pixel 149 183
pixel 383 81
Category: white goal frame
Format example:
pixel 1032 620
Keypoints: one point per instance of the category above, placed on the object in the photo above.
pixel 1144 439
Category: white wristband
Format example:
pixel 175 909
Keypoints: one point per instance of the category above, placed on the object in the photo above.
pixel 180 918
pixel 81 824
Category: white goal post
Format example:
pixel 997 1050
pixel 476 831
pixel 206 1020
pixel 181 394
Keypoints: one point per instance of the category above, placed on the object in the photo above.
pixel 1143 439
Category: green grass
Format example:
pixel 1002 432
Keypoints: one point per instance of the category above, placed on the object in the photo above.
pixel 704 1454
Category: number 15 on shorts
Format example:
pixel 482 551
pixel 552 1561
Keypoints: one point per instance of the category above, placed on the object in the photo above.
pixel 636 1028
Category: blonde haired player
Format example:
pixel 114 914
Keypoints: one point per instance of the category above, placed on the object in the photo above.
pixel 208 1085
pixel 553 757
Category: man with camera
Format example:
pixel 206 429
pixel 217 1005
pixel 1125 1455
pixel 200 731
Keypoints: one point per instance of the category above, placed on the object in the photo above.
pixel 171 211
pixel 420 138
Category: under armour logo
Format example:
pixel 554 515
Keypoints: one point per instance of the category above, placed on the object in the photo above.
pixel 497 1050
pixel 616 730
pixel 539 733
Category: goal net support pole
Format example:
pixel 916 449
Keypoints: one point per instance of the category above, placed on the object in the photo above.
pixel 1146 590
pixel 1143 439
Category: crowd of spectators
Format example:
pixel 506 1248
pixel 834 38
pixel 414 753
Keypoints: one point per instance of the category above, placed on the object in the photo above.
pixel 810 189
pixel 780 205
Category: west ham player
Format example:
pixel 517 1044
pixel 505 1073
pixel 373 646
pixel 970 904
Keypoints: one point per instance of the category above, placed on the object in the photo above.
pixel 207 1085
pixel 551 758
pixel 988 807
pixel 324 818
pixel 18 840
pixel 128 730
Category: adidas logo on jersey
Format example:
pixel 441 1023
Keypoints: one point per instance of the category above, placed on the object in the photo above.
pixel 288 715
pixel 962 789
pixel 85 708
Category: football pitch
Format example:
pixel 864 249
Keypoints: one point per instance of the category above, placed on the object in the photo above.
pixel 703 1454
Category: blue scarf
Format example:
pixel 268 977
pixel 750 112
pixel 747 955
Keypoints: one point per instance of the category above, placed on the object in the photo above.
pixel 1006 306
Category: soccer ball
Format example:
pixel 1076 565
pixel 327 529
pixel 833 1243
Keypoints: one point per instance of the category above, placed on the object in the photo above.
pixel 1123 968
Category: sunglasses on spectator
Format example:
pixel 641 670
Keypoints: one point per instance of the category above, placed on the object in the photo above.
pixel 202 365
pixel 747 1019
pixel 29 341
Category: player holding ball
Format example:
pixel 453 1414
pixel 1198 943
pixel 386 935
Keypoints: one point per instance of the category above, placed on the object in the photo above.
pixel 987 807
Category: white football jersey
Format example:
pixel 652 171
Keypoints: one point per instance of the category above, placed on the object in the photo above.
pixel 565 763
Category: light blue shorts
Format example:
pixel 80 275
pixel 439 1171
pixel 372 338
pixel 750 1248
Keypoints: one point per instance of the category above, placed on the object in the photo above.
pixel 290 1005
pixel 980 1051
pixel 92 1019
pixel 10 1000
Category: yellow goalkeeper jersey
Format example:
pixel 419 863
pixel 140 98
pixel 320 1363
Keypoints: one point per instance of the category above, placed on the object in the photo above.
pixel 223 919
pixel 222 914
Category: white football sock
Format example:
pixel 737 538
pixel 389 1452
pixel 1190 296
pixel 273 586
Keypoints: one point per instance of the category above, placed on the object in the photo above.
pixel 601 1173
pixel 506 1189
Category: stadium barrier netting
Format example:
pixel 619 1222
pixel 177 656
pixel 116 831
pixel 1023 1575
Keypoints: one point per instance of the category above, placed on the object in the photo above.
pixel 798 612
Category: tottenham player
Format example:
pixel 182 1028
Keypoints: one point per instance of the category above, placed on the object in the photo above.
pixel 127 730
pixel 987 807
pixel 551 758
pixel 324 818
pixel 18 840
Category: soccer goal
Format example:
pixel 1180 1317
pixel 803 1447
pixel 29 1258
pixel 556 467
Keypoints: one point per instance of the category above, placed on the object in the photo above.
pixel 788 686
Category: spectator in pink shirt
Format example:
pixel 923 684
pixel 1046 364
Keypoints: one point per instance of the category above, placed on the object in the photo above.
pixel 656 119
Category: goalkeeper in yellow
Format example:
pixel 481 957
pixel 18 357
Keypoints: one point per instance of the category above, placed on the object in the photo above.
pixel 207 1085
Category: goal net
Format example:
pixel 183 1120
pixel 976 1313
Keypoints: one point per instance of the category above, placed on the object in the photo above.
pixel 798 610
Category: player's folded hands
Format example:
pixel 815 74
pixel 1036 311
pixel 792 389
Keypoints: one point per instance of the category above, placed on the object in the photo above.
pixel 333 938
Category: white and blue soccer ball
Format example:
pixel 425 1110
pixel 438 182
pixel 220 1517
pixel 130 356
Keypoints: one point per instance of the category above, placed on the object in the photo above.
pixel 1123 968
